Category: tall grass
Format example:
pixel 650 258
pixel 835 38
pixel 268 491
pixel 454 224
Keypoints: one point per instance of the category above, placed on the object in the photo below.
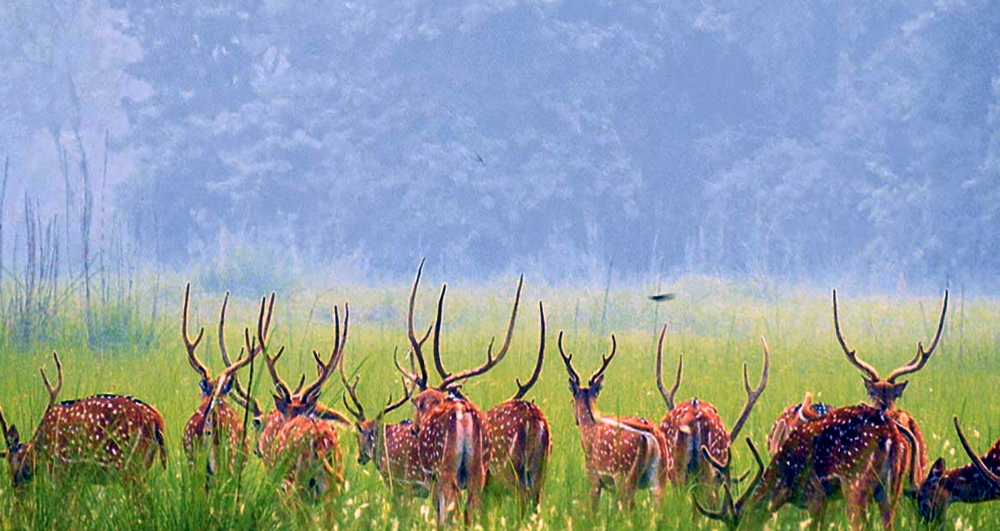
pixel 713 324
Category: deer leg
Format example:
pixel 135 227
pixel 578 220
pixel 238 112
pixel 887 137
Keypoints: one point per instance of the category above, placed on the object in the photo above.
pixel 857 495
pixel 629 483
pixel 595 490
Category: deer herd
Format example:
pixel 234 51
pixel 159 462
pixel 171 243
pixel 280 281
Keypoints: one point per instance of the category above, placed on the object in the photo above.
pixel 870 453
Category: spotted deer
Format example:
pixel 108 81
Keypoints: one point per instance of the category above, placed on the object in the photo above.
pixel 216 427
pixel 451 431
pixel 791 418
pixel 625 453
pixel 972 483
pixel 882 394
pixel 858 453
pixel 297 441
pixel 695 423
pixel 98 437
pixel 520 439
pixel 393 447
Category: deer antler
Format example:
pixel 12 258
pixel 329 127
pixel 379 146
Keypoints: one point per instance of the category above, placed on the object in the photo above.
pixel 605 361
pixel 53 391
pixel 852 356
pixel 490 360
pixel 311 392
pixel 415 344
pixel 191 346
pixel 668 396
pixel 359 413
pixel 568 361
pixel 921 358
pixel 752 394
pixel 730 512
pixel 523 389
pixel 438 322
pixel 251 345
pixel 241 395
pixel 980 466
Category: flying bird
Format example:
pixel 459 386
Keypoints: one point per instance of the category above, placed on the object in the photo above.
pixel 663 297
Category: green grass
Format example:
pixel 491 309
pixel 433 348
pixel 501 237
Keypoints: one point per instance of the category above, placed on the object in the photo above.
pixel 714 324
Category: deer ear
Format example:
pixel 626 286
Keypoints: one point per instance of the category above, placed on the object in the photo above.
pixel 206 387
pixel 937 469
pixel 897 389
pixel 13 438
pixel 598 384
pixel 280 405
pixel 227 386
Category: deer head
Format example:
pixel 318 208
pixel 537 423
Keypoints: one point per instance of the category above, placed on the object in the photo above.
pixel 368 429
pixel 731 510
pixel 970 483
pixel 305 401
pixel 884 393
pixel 214 390
pixel 585 397
pixel 18 454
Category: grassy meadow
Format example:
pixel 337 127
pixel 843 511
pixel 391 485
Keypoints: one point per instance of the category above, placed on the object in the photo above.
pixel 714 324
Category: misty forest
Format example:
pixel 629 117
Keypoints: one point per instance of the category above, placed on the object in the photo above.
pixel 801 140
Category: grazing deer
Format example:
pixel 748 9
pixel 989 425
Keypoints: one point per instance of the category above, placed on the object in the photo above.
pixel 882 394
pixel 451 431
pixel 853 452
pixel 972 483
pixel 625 453
pixel 520 439
pixel 297 440
pixel 393 447
pixel 695 423
pixel 215 423
pixel 94 437
pixel 791 418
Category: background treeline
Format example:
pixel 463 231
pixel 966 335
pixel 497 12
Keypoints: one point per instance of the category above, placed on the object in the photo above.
pixel 798 140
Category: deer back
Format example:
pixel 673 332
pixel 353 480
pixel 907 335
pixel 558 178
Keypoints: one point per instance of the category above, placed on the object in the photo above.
pixel 519 440
pixel 686 428
pixel 790 419
pixel 108 433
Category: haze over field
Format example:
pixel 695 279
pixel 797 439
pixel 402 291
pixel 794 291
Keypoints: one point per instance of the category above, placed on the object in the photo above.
pixel 802 140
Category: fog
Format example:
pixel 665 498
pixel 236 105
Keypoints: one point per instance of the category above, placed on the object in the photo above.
pixel 809 141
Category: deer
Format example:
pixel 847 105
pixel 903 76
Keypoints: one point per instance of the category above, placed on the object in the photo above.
pixel 99 437
pixel 973 483
pixel 520 439
pixel 882 394
pixel 791 418
pixel 451 431
pixel 852 453
pixel 215 426
pixel 393 447
pixel 296 440
pixel 695 423
pixel 625 453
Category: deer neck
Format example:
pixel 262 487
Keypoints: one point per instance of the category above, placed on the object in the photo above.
pixel 586 416
pixel 965 484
